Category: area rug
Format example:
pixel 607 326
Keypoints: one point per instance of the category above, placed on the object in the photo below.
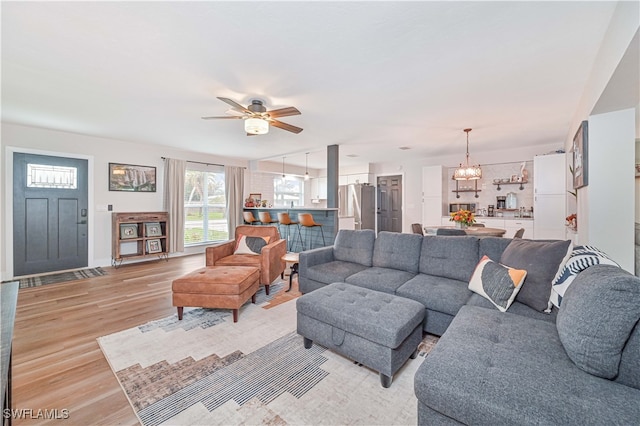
pixel 206 369
pixel 61 277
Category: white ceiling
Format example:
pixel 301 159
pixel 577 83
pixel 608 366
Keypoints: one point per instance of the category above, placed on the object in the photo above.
pixel 369 76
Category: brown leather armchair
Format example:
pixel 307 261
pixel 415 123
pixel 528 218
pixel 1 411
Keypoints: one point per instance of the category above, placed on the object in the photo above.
pixel 269 262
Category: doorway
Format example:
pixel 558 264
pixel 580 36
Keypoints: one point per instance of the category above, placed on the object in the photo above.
pixel 390 203
pixel 50 213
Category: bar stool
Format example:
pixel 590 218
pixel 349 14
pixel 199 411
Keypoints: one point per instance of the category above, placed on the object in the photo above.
pixel 266 219
pixel 249 219
pixel 285 219
pixel 306 221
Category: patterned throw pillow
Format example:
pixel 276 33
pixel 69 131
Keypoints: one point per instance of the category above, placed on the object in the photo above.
pixel 497 283
pixel 250 245
pixel 581 258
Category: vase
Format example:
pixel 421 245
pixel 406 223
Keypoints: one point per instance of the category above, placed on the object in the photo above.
pixel 460 225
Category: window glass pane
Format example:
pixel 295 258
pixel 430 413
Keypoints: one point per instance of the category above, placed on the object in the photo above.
pixel 204 204
pixel 288 190
pixel 48 176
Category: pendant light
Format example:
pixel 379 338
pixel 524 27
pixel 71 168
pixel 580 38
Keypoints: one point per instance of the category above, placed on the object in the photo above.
pixel 467 172
pixel 306 167
pixel 283 169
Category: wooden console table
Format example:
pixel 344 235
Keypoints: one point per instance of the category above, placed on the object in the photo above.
pixel 138 235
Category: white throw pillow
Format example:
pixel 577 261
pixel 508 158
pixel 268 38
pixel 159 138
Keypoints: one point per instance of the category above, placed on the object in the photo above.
pixel 580 259
pixel 250 245
pixel 496 282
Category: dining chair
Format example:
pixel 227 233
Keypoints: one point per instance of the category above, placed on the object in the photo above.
pixel 417 228
pixel 519 233
pixel 478 225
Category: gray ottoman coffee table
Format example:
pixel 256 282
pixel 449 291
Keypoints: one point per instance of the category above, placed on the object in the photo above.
pixel 378 330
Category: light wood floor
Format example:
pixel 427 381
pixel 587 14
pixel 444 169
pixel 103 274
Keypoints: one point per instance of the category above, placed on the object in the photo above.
pixel 57 363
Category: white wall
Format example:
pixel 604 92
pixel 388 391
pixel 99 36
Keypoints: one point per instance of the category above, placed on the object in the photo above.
pixel 611 158
pixel 100 152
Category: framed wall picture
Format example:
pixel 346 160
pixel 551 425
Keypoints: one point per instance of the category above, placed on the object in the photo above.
pixel 128 230
pixel 132 178
pixel 152 229
pixel 256 197
pixel 154 246
pixel 581 156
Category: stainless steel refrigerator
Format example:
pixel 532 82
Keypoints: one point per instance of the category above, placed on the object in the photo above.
pixel 358 201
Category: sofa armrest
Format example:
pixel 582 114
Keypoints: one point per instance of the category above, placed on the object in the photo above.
pixel 272 264
pixel 315 257
pixel 218 251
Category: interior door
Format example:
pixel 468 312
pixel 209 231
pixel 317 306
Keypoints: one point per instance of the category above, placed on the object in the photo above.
pixel 50 229
pixel 390 203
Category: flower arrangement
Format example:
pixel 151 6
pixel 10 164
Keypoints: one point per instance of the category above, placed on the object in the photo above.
pixel 571 222
pixel 464 217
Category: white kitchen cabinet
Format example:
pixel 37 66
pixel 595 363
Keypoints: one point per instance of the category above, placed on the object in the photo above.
pixel 491 222
pixel 549 174
pixel 549 196
pixel 550 214
pixel 319 188
pixel 434 197
pixel 512 225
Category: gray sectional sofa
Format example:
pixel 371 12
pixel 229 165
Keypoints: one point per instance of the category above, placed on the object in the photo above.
pixel 579 364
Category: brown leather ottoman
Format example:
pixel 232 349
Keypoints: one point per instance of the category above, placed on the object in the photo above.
pixel 226 287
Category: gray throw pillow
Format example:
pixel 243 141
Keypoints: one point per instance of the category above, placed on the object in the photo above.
pixel 541 260
pixel 598 312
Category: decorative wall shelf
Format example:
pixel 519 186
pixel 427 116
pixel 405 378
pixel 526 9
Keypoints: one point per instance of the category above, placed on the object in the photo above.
pixel 476 190
pixel 511 183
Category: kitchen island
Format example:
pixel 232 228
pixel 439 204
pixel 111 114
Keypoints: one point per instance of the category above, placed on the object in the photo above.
pixel 327 217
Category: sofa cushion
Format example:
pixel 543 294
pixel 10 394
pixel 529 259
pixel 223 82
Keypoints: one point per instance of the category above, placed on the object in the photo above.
pixel 436 293
pixel 580 259
pixel 397 251
pixel 250 245
pixel 497 283
pixel 541 260
pixel 515 308
pixel 381 279
pixel 596 317
pixel 331 272
pixel 502 369
pixel 354 246
pixel 449 257
pixel 492 247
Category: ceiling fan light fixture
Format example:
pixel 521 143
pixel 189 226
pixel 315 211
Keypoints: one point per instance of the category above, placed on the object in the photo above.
pixel 256 126
pixel 468 172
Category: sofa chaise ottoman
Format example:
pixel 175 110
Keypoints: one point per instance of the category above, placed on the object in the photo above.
pixel 378 330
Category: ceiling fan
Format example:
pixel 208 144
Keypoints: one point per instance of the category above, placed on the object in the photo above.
pixel 256 117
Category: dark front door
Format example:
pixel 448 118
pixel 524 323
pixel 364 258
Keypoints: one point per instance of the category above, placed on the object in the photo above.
pixel 390 203
pixel 49 213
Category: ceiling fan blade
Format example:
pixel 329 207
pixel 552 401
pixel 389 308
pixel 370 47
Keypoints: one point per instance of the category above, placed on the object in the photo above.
pixel 223 118
pixel 283 112
pixel 235 105
pixel 285 126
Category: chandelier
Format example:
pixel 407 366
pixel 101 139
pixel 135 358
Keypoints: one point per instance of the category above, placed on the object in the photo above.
pixel 467 172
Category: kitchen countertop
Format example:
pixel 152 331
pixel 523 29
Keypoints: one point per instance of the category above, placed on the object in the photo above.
pixel 322 209
pixel 498 218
